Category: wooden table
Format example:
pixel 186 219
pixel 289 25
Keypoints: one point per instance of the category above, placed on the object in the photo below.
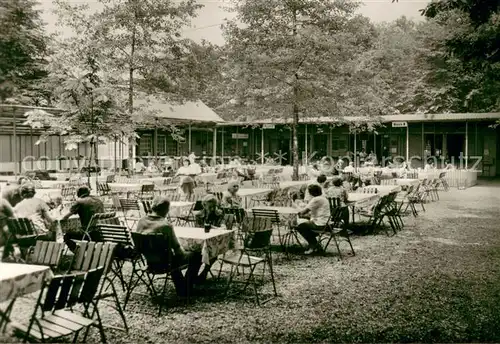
pixel 246 193
pixel 407 182
pixel 18 280
pixel 211 245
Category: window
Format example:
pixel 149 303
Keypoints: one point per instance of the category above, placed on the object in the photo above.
pixel 162 142
pixel 145 145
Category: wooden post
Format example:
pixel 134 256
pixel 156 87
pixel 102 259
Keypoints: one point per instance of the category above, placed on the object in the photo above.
pixel 214 153
pixel 222 146
pixel 306 147
pixel 14 134
pixel 262 146
pixel 189 138
pixel 355 149
pixel 466 145
pixel 407 143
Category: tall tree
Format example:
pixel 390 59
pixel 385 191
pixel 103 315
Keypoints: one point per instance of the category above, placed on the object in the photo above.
pixel 475 43
pixel 141 44
pixel 92 109
pixel 290 58
pixel 23 48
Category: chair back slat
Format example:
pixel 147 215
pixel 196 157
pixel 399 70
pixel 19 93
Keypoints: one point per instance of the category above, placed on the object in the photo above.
pixel 88 257
pixel 116 234
pixel 147 206
pixel 97 255
pixel 64 293
pixel 80 255
pixel 101 218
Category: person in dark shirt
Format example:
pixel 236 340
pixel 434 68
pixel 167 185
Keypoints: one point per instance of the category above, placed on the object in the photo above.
pixel 210 214
pixel 85 206
pixel 12 192
pixel 156 222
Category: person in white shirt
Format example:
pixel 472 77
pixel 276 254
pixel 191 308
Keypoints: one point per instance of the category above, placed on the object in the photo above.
pixel 350 168
pixel 139 166
pixel 186 182
pixel 195 168
pixel 192 157
pixel 428 166
pixel 318 210
pixel 314 171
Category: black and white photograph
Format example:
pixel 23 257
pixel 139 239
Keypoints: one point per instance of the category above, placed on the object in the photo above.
pixel 249 171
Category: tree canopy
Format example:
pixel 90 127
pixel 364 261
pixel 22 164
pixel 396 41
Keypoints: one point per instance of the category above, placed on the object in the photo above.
pixel 23 49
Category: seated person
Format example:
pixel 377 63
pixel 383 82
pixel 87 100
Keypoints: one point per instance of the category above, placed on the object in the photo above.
pixel 36 210
pixel 318 210
pixel 337 191
pixel 448 165
pixel 230 198
pixel 428 166
pixel 169 172
pixel 156 222
pixel 297 200
pixel 85 207
pixel 314 171
pixel 186 182
pixel 348 181
pixel 12 192
pixel 321 181
pixel 6 212
pixel 139 167
pixel 349 168
pixel 210 214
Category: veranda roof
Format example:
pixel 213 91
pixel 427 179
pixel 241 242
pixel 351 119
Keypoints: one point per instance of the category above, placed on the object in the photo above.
pixel 442 117
pixel 191 112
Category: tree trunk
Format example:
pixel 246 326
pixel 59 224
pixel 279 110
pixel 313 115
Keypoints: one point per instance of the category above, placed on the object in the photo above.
pixel 90 162
pixel 131 141
pixel 295 146
pixel 96 159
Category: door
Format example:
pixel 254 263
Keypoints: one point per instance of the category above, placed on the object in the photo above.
pixel 455 144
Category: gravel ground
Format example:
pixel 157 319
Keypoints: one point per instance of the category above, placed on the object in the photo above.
pixel 435 281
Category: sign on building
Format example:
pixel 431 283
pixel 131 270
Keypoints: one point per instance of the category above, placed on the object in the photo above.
pixel 239 136
pixel 399 124
pixel 268 126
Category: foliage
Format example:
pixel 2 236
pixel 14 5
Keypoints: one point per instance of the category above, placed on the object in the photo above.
pixel 91 107
pixel 475 44
pixel 23 49
pixel 291 59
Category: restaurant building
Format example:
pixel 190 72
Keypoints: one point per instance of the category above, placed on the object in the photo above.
pixel 193 127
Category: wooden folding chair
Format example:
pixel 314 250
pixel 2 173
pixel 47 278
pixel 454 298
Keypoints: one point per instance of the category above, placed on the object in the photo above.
pixel 88 256
pixel 256 250
pixel 54 317
pixel 22 234
pixel 156 250
pixel 127 206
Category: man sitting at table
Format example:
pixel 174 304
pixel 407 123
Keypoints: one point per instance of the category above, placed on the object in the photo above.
pixel 85 206
pixel 36 210
pixel 156 222
pixel 12 192
pixel 318 210
pixel 211 214
pixel 230 198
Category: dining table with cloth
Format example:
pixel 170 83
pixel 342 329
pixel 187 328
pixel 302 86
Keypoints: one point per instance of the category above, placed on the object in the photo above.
pixel 18 280
pixel 218 241
pixel 247 194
